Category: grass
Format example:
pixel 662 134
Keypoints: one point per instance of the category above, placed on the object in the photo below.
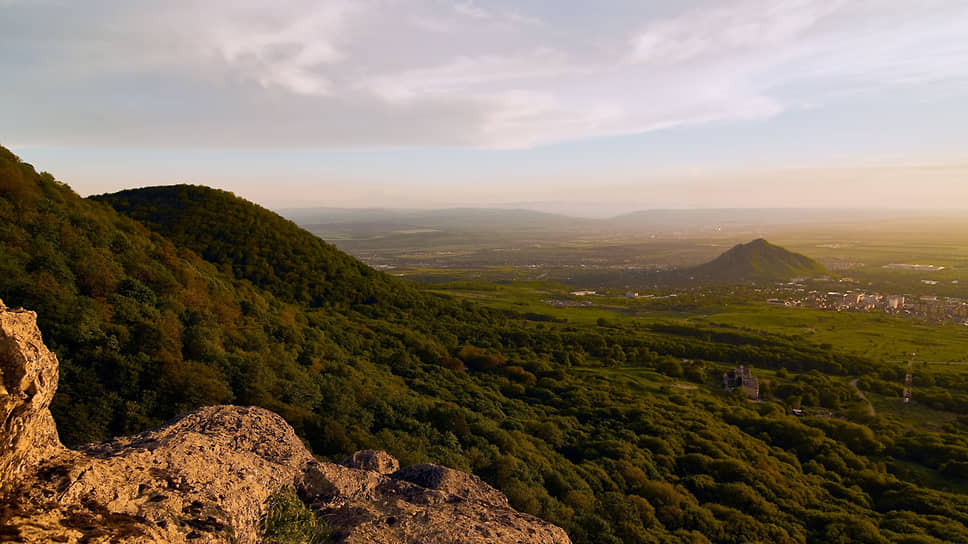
pixel 873 335
pixel 531 296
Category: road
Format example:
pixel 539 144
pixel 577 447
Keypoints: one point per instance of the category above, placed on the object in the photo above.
pixel 853 383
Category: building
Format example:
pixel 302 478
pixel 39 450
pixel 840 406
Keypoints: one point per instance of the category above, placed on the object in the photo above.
pixel 742 377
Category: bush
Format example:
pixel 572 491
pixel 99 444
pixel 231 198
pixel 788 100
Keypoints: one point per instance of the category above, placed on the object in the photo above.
pixel 288 521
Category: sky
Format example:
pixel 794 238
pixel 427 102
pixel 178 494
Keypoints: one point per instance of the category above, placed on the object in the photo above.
pixel 589 108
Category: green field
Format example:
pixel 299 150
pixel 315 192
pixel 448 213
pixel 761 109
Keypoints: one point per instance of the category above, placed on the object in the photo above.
pixel 874 335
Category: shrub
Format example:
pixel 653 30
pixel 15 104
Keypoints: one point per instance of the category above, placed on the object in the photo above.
pixel 287 520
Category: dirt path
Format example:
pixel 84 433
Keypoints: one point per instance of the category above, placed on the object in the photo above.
pixel 853 383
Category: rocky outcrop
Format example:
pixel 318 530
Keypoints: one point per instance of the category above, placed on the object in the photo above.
pixel 452 482
pixel 205 477
pixel 366 507
pixel 202 478
pixel 373 461
pixel 28 379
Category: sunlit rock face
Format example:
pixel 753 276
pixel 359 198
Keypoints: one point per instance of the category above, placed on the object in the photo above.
pixel 206 476
pixel 28 380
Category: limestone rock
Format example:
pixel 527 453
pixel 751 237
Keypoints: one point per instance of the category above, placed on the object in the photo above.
pixel 202 478
pixel 452 482
pixel 372 460
pixel 205 477
pixel 365 507
pixel 28 380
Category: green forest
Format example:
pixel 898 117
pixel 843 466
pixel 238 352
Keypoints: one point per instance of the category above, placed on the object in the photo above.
pixel 157 301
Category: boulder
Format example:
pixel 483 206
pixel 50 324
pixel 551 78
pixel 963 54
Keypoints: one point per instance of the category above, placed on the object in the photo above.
pixel 373 461
pixel 452 482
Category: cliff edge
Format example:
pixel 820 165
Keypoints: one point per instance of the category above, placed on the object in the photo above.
pixel 205 477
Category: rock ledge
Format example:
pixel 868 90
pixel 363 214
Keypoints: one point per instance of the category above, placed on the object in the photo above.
pixel 205 476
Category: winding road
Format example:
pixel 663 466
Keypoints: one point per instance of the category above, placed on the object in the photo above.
pixel 861 394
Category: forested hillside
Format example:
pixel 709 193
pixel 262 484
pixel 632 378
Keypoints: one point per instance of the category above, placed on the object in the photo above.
pixel 210 299
pixel 260 246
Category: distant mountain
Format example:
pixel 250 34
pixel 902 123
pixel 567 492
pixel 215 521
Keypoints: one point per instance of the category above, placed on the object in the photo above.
pixel 758 260
pixel 378 220
pixel 495 224
pixel 700 219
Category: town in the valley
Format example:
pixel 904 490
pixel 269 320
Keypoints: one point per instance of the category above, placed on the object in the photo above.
pixel 933 308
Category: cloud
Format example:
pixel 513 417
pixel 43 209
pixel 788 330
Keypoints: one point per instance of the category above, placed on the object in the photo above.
pixel 291 54
pixel 734 28
pixel 472 10
pixel 469 9
pixel 373 73
pixel 469 76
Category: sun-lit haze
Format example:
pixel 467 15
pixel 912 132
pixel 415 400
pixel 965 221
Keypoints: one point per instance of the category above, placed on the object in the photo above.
pixel 589 108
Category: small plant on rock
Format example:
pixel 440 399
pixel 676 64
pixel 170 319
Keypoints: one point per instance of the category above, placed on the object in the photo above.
pixel 287 520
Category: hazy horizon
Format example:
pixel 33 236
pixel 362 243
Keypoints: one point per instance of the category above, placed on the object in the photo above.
pixel 598 110
pixel 612 212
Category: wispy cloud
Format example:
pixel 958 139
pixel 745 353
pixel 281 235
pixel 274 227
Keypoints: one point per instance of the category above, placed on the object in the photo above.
pixel 731 29
pixel 468 8
pixel 486 75
pixel 405 73
pixel 473 10
pixel 292 53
